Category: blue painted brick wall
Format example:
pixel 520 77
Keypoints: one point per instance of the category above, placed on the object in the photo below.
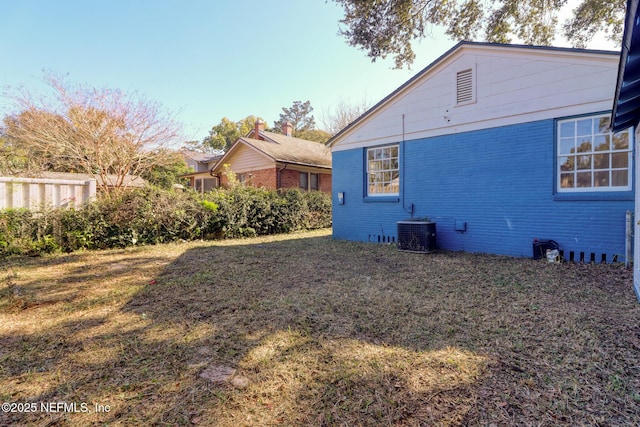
pixel 499 181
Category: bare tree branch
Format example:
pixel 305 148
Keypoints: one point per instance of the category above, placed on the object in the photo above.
pixel 99 132
pixel 336 118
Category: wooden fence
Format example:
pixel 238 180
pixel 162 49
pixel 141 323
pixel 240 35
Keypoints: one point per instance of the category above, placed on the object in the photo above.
pixel 41 193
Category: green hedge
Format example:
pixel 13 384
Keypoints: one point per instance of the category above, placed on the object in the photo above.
pixel 152 215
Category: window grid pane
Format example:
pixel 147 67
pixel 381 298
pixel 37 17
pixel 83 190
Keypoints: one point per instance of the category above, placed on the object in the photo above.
pixel 383 171
pixel 590 157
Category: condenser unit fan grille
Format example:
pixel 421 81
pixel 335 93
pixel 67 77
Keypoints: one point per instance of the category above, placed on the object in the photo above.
pixel 417 236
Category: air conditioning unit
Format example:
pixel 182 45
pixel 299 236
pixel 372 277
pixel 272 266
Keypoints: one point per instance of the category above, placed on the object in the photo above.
pixel 417 236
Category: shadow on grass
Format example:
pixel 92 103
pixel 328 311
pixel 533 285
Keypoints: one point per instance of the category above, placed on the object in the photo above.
pixel 327 333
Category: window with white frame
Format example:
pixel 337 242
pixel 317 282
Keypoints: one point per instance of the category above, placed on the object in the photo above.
pixel 383 171
pixel 204 185
pixel 591 157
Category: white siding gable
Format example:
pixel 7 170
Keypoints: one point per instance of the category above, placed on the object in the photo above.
pixel 508 85
pixel 248 159
pixel 465 86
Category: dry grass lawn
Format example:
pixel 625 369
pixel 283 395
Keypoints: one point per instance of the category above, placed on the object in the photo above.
pixel 303 330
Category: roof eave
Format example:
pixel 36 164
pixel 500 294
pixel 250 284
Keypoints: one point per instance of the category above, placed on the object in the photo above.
pixel 311 165
pixel 617 122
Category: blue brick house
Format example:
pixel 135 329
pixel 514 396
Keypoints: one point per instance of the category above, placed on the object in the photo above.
pixel 497 144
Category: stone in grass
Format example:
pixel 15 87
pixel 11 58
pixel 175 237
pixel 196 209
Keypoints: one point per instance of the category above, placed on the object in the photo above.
pixel 240 382
pixel 218 374
pixel 221 374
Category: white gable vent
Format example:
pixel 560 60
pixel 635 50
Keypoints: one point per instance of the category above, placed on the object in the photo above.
pixel 464 86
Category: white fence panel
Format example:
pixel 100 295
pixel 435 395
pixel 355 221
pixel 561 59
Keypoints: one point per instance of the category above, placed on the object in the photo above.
pixel 39 193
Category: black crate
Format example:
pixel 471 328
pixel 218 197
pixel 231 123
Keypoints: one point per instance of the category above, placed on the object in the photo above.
pixel 540 248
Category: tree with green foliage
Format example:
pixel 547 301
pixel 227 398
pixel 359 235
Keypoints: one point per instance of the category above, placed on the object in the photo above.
pixel 388 27
pixel 195 145
pixel 302 121
pixel 224 134
pixel 167 174
pixel 299 115
pixel 316 135
pixel 12 159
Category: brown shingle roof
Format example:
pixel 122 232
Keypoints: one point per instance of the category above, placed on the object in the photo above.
pixel 200 157
pixel 288 149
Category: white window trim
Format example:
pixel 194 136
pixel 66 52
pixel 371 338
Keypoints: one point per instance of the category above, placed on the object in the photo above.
pixel 199 184
pixel 370 194
pixel 593 189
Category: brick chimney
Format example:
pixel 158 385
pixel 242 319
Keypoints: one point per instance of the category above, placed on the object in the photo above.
pixel 258 127
pixel 287 128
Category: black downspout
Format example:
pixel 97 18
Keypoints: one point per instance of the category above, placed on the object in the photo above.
pixel 279 177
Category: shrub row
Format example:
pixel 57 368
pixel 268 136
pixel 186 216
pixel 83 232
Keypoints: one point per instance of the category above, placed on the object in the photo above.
pixel 152 215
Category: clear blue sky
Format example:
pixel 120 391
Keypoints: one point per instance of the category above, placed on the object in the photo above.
pixel 203 59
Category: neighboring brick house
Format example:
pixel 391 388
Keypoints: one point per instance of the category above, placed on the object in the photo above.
pixel 201 163
pixel 273 160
